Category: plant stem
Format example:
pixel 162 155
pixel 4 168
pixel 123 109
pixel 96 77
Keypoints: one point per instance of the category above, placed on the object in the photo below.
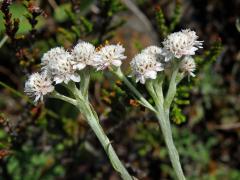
pixel 163 120
pixel 161 111
pixel 155 90
pixel 139 96
pixel 56 95
pixel 172 86
pixel 163 108
pixel 93 122
pixel 91 116
pixel 158 87
pixel 85 82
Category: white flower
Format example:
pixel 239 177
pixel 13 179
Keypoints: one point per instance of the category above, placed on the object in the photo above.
pixel 161 54
pixel 110 55
pixel 145 66
pixel 182 43
pixel 58 64
pixel 38 85
pixel 52 54
pixel 83 55
pixel 152 50
pixel 188 66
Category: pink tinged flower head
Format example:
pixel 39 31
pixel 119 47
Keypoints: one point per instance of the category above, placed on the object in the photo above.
pixel 188 66
pixel 38 85
pixel 110 55
pixel 145 66
pixel 83 54
pixel 182 43
pixel 60 66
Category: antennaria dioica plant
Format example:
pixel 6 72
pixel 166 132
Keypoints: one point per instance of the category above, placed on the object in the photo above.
pixel 154 66
pixel 69 68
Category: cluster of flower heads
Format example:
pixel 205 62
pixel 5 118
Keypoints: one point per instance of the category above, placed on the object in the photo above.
pixel 62 66
pixel 38 85
pixel 152 59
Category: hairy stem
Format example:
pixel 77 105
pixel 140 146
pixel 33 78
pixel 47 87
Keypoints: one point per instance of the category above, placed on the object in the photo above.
pixel 155 90
pixel 93 122
pixel 158 88
pixel 172 86
pixel 56 95
pixel 163 120
pixel 88 112
pixel 139 96
pixel 84 85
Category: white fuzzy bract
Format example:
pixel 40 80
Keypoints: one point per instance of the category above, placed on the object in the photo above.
pixel 110 55
pixel 188 66
pixel 182 43
pixel 60 66
pixel 83 54
pixel 38 85
pixel 145 66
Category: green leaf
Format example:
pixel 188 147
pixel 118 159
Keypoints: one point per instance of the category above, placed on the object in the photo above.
pixel 60 14
pixel 19 11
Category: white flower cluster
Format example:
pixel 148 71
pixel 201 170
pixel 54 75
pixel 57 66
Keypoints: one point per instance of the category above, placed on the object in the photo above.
pixel 188 66
pixel 38 85
pixel 182 43
pixel 146 64
pixel 58 64
pixel 61 66
pixel 83 54
pixel 110 55
pixel 153 59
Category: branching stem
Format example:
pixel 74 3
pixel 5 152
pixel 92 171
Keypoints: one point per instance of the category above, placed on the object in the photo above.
pixel 139 96
pixel 84 106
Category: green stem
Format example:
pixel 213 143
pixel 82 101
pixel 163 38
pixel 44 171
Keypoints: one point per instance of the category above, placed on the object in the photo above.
pixel 56 95
pixel 172 86
pixel 155 90
pixel 140 97
pixel 163 120
pixel 91 116
pixel 158 87
pixel 93 122
pixel 84 85
pixel 152 92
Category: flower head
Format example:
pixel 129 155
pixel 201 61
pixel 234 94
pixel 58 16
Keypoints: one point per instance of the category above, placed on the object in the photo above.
pixel 188 66
pixel 158 52
pixel 83 55
pixel 110 55
pixel 145 66
pixel 38 85
pixel 58 64
pixel 52 54
pixel 152 50
pixel 182 43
